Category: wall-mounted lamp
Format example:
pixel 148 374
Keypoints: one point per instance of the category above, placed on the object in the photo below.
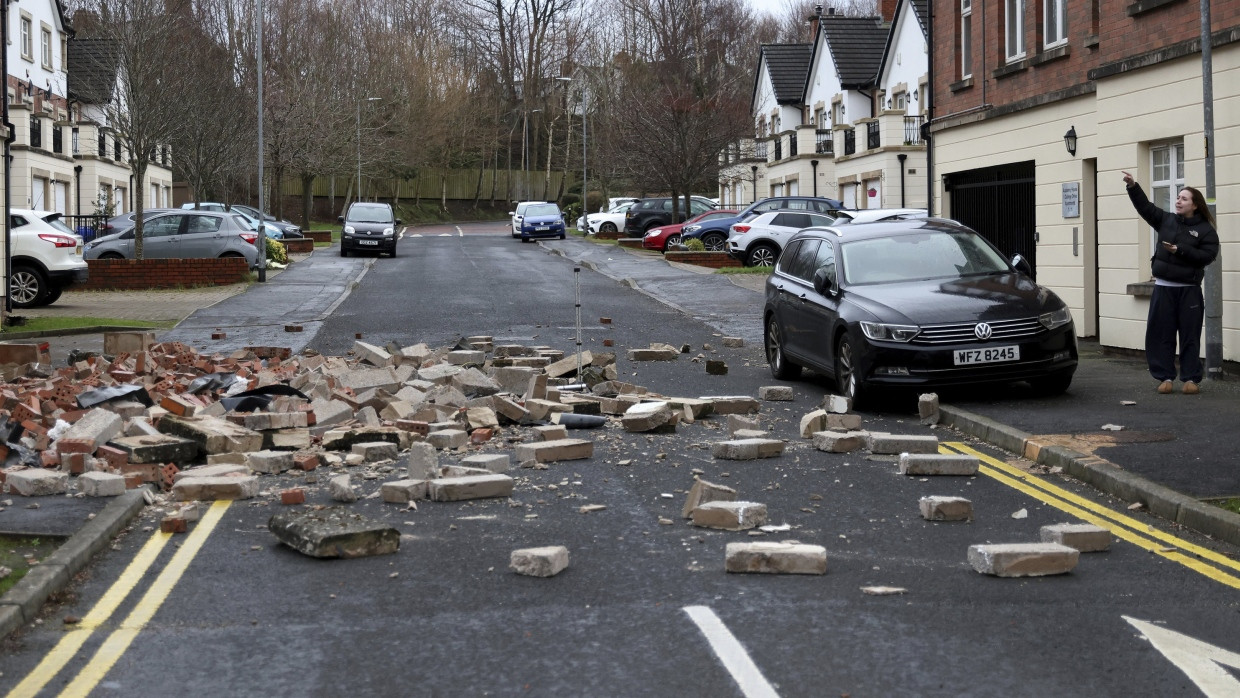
pixel 914 95
pixel 889 104
pixel 1069 140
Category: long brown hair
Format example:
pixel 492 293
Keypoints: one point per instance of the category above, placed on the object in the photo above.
pixel 1199 205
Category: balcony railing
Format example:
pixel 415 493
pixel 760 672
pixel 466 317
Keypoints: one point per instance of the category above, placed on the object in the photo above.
pixel 779 149
pixel 759 150
pixel 792 145
pixel 850 141
pixel 872 140
pixel 823 145
pixel 912 130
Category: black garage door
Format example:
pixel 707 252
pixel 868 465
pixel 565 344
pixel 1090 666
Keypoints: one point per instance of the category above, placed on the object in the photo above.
pixel 997 202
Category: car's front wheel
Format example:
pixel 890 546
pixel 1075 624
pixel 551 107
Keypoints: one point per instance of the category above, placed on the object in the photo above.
pixel 343 251
pixel 607 228
pixel 26 286
pixel 53 295
pixel 672 242
pixel 781 368
pixel 714 242
pixel 1054 384
pixel 762 255
pixel 846 380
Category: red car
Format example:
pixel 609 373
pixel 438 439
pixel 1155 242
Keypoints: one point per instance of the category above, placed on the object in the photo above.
pixel 665 235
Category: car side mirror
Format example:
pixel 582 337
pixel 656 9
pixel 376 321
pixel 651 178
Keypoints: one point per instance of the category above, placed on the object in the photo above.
pixel 512 213
pixel 824 281
pixel 340 219
pixel 399 222
pixel 1022 265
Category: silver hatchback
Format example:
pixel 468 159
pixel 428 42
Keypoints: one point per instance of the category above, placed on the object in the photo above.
pixel 185 235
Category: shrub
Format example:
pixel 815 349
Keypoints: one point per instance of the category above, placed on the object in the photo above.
pixel 276 252
pixel 694 245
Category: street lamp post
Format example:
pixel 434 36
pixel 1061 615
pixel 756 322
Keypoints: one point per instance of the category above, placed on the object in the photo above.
pixel 359 142
pixel 754 169
pixel 261 242
pixel 585 189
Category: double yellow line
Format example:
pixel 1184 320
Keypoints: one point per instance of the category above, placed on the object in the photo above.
pixel 1218 567
pixel 120 638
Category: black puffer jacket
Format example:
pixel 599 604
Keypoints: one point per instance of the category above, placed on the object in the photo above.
pixel 1195 240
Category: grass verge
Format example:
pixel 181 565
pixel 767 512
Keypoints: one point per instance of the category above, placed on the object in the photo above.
pixel 1232 505
pixel 16 552
pixel 762 271
pixel 54 324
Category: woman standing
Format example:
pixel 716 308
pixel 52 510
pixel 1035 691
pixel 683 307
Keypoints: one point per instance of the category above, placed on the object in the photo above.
pixel 1187 243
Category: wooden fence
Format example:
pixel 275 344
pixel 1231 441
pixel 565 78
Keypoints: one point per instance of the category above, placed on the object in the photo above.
pixel 504 185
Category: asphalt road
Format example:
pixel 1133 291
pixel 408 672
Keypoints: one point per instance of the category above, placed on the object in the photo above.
pixel 445 617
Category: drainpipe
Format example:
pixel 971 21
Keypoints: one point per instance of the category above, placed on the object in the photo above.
pixel 902 157
pixel 925 128
pixel 814 167
pixel 8 141
pixel 77 189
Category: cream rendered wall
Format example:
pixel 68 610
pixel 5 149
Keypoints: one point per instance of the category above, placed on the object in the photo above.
pixel 908 60
pixel 823 81
pixel 1157 104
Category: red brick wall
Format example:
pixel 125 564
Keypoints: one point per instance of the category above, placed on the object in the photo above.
pixel 319 235
pixel 1119 36
pixel 300 245
pixel 714 260
pixel 132 274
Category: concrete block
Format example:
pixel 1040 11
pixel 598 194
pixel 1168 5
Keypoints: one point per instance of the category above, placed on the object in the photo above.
pixel 37 482
pixel 813 423
pixel 937 464
pixel 97 426
pixel 160 448
pixel 448 438
pixel 541 410
pixel 422 461
pixel 750 434
pixel 704 492
pixel 568 365
pixel 491 462
pixel 552 451
pixel 738 423
pixel 329 412
pixel 260 421
pixel 208 489
pixel 371 354
pixel 341 490
pixel 286 439
pixel 546 561
pixel 551 433
pixel 404 491
pixel 269 462
pixel 127 342
pixel 646 416
pixel 98 484
pixel 334 532
pixel 212 434
pixel 843 422
pixel 729 516
pixel 481 418
pixel 747 449
pixel 733 342
pixel 697 407
pixel 455 489
pixel 936 508
pixel 838 442
pixel 474 383
pixel 890 444
pixel 215 470
pixel 1023 559
pixel 732 404
pixel 360 379
pixel 928 408
pixel 667 354
pixel 776 393
pixel 375 451
pixel 1086 538
pixel 466 357
pixel 536 389
pixel 776 558
pixel 837 404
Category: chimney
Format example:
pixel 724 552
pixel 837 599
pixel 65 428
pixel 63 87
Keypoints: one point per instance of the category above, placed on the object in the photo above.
pixel 888 10
pixel 814 20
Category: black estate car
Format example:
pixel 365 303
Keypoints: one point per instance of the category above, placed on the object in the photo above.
pixel 914 303
pixel 657 211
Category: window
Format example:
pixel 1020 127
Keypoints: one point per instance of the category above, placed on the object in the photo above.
pixel 76 143
pixel 45 48
pixel 1056 25
pixel 27 48
pixel 803 262
pixel 64 52
pixel 900 101
pixel 116 149
pixel 1014 29
pixel 1166 179
pixel 36 133
pixel 837 113
pixel 103 144
pixel 966 39
pixel 58 139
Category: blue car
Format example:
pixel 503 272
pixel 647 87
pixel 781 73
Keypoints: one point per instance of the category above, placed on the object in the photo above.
pixel 714 233
pixel 542 220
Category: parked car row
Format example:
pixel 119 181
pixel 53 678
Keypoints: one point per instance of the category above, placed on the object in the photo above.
pixel 276 229
pixel 182 233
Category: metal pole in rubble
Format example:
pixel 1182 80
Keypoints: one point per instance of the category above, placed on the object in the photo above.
pixel 577 298
pixel 1214 273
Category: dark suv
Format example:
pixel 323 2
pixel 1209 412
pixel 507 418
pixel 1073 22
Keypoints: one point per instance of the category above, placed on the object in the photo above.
pixel 651 213
pixel 714 233
pixel 369 227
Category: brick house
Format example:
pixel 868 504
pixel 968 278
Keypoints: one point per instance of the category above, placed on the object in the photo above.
pixel 1038 105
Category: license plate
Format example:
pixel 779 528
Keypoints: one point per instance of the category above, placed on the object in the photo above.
pixel 368 242
pixel 543 227
pixel 990 355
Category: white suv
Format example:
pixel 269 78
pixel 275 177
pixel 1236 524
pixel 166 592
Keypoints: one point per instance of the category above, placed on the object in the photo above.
pixel 47 257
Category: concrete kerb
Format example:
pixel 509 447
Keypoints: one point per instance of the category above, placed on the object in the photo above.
pixel 21 604
pixel 627 282
pixel 90 329
pixel 1162 501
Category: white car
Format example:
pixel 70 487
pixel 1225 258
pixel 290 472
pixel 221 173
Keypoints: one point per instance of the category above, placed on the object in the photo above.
pixel 758 241
pixel 873 215
pixel 518 214
pixel 608 222
pixel 47 258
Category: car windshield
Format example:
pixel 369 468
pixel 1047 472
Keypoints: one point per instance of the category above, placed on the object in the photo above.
pixel 543 210
pixel 370 214
pixel 621 208
pixel 55 223
pixel 920 256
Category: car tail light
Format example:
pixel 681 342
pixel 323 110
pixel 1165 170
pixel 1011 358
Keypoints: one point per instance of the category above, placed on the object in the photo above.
pixel 740 229
pixel 251 238
pixel 58 240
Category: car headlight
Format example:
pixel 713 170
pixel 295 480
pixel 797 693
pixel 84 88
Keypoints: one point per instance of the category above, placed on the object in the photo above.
pixel 1055 318
pixel 348 230
pixel 690 229
pixel 388 231
pixel 890 333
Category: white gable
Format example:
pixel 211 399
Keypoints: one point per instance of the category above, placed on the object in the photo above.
pixel 41 15
pixel 907 61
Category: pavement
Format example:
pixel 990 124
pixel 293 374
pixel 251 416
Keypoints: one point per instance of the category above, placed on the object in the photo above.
pixel 1112 430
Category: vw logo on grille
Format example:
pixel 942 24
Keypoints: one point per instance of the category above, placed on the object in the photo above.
pixel 982 330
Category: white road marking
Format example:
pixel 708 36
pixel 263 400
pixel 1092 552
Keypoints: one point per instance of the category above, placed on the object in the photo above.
pixel 730 652
pixel 416 235
pixel 1198 660
pixel 445 235
pixel 459 233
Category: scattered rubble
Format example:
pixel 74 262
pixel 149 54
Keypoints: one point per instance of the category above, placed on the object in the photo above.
pixel 546 561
